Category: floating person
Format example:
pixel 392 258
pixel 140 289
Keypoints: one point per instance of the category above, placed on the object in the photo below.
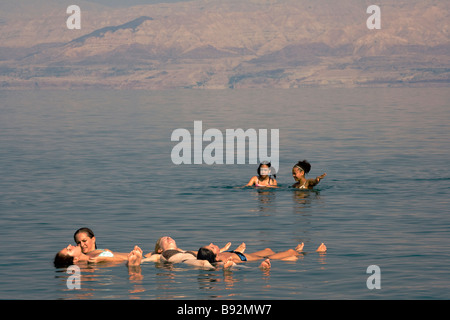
pixel 212 254
pixel 166 250
pixel 73 255
pixel 265 178
pixel 299 171
pixel 85 239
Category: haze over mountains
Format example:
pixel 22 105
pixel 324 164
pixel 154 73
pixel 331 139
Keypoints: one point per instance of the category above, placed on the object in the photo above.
pixel 225 44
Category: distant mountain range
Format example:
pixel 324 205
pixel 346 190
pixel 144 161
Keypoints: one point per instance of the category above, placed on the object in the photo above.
pixel 212 44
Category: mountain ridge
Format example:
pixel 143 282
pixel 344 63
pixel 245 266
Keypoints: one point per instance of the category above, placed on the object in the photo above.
pixel 99 33
pixel 212 44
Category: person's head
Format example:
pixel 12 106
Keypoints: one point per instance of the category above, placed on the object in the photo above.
pixel 165 243
pixel 84 237
pixel 265 169
pixel 300 169
pixel 208 252
pixel 67 256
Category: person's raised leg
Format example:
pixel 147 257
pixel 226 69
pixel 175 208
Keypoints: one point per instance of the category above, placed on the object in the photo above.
pixel 263 253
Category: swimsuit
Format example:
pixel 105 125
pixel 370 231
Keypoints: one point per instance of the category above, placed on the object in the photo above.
pixel 303 186
pixel 261 185
pixel 239 254
pixel 106 253
pixel 170 253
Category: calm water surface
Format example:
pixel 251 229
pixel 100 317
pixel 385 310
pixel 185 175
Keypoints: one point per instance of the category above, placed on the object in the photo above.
pixel 101 159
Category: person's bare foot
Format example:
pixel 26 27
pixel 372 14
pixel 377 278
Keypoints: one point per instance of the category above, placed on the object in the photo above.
pixel 322 248
pixel 299 248
pixel 241 248
pixel 265 264
pixel 135 257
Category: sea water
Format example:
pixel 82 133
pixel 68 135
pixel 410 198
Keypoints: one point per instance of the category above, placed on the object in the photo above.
pixel 102 159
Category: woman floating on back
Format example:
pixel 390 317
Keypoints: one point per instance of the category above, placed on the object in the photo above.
pixel 299 171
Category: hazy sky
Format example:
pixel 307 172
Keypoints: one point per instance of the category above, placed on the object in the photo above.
pixel 37 6
pixel 128 3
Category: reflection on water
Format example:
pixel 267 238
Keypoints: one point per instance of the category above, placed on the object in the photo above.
pixel 135 274
pixel 90 276
pixel 322 259
pixel 215 281
pixel 303 198
pixel 136 285
pixel 265 200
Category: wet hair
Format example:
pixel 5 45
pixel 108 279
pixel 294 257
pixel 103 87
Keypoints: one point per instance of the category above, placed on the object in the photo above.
pixel 304 165
pixel 62 261
pixel 206 254
pixel 88 231
pixel 158 248
pixel 270 168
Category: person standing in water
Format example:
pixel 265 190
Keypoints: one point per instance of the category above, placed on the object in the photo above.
pixel 264 177
pixel 299 171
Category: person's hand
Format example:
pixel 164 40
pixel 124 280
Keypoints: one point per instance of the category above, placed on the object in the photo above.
pixel 226 247
pixel 321 177
pixel 93 260
pixel 228 264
